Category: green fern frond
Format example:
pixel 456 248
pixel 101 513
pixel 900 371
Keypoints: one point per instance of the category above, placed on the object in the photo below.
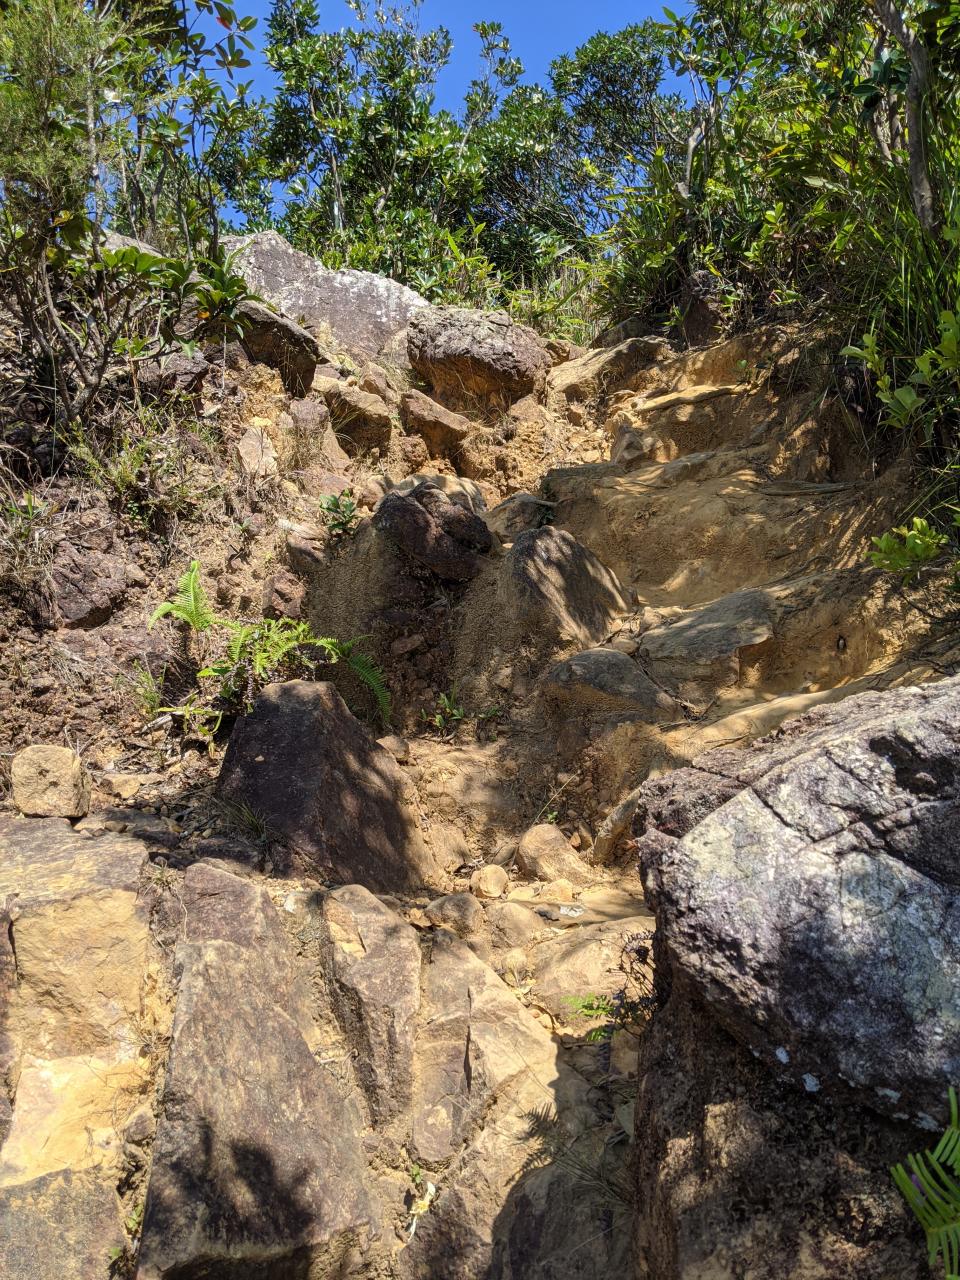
pixel 190 604
pixel 366 669
pixel 934 1196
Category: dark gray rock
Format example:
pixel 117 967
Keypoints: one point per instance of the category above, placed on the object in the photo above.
pixel 437 533
pixel 361 309
pixel 275 340
pixel 815 904
pixel 607 681
pixel 552 583
pixel 373 974
pixel 464 355
pixel 257 1167
pixel 311 771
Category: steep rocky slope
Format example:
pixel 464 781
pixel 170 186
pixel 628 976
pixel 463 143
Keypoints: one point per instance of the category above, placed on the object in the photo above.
pixel 320 1002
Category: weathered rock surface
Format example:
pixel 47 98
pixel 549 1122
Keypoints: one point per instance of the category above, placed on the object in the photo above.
pixel 603 370
pixel 373 970
pixel 464 354
pixel 77 999
pixel 275 340
pixel 49 782
pixel 257 1165
pixel 363 419
pixel 256 454
pixel 550 581
pixel 304 764
pixel 442 430
pixel 363 310
pixel 605 681
pixel 517 514
pixel 545 854
pixel 434 531
pixel 465 493
pixel 585 962
pixel 839 966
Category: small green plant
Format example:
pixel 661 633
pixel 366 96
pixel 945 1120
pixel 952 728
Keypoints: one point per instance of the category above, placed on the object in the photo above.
pixel 145 688
pixel 907 549
pixel 447 716
pixel 339 512
pixel 190 605
pixel 256 654
pixel 928 1183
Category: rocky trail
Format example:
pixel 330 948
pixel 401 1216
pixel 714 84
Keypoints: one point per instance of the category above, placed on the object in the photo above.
pixel 337 999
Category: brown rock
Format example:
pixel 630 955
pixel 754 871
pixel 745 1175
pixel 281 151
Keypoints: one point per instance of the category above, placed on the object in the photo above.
pixel 490 881
pixel 362 420
pixel 319 781
pixel 434 531
pixel 460 912
pixel 256 454
pixel 257 1164
pixel 545 854
pixel 481 354
pixel 50 782
pixel 443 430
pixel 275 340
pixel 283 595
pixel 373 973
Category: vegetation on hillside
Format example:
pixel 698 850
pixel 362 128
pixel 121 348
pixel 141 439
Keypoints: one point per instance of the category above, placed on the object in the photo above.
pixel 797 158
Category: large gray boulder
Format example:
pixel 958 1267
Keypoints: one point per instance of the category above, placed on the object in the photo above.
pixel 321 784
pixel 808 890
pixel 469 355
pixel 361 309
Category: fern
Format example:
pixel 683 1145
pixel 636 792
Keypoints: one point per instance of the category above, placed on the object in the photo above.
pixel 190 604
pixel 367 671
pixel 934 1196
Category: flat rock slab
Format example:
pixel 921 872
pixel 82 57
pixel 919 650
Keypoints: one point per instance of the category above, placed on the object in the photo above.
pixel 317 778
pixel 257 1167
pixel 808 888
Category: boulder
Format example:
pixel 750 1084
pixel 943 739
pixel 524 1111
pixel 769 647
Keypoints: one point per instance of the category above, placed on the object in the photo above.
pixel 490 881
pixel 256 455
pixel 469 355
pixel 273 339
pixel 315 442
pixel 257 1166
pixel 517 514
pixel 460 912
pixel 632 448
pixel 361 309
pixel 840 968
pixel 442 430
pixel 545 854
pixel 374 379
pixel 551 582
pixel 373 975
pixel 362 420
pixel 465 493
pixel 435 532
pixel 704 648
pixel 607 682
pixel 49 782
pixel 603 371
pixel 77 998
pixel 310 770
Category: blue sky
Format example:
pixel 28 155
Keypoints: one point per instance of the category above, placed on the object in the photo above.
pixel 539 29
